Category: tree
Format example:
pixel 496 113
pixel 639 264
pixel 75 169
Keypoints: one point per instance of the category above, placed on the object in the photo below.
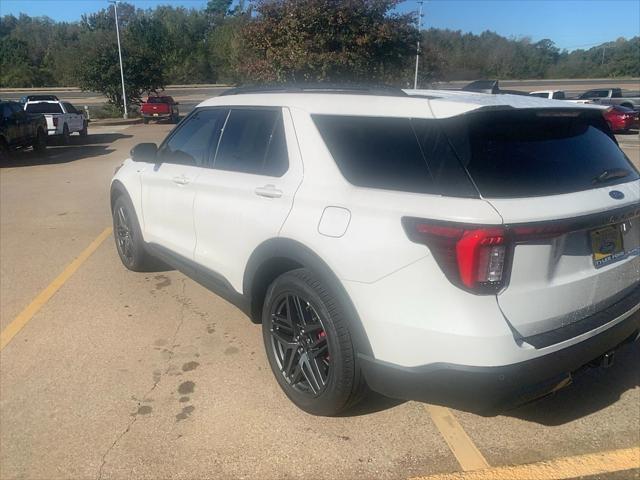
pixel 143 44
pixel 327 40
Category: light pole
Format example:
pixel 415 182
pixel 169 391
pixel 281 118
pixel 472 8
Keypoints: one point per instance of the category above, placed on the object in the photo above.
pixel 124 94
pixel 415 77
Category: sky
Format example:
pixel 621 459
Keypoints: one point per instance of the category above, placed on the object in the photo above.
pixel 570 24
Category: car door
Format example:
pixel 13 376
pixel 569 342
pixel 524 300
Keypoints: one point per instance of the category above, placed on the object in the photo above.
pixel 246 196
pixel 74 118
pixel 168 185
pixel 20 123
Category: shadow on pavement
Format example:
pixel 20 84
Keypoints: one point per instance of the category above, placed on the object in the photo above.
pixel 78 148
pixel 592 390
pixel 374 402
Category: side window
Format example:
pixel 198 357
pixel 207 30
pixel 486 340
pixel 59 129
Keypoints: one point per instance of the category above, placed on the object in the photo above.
pixel 558 95
pixel 253 141
pixel 17 109
pixel 376 152
pixel 447 171
pixel 195 139
pixel 6 111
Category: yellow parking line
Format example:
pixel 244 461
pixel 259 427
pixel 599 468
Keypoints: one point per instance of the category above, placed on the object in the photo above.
pixel 562 468
pixel 465 451
pixel 43 297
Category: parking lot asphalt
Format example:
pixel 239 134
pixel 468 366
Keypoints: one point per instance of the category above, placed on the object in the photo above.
pixel 115 374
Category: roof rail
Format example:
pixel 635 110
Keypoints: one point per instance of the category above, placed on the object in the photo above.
pixel 353 89
pixel 483 86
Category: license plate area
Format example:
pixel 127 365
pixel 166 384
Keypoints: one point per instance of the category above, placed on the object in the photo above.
pixel 607 245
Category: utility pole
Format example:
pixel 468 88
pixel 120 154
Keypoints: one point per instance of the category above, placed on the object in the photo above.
pixel 604 49
pixel 415 77
pixel 124 94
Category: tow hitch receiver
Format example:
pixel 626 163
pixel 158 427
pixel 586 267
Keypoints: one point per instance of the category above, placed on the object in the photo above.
pixel 608 359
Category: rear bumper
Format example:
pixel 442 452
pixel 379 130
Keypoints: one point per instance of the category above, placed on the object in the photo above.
pixel 156 115
pixel 487 390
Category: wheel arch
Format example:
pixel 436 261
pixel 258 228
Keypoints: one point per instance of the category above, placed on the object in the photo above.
pixel 117 190
pixel 276 256
pixel 627 104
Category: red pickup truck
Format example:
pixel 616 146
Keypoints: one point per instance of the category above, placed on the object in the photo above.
pixel 160 108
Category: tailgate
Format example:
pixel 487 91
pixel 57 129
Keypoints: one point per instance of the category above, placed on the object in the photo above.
pixel 155 108
pixel 570 199
pixel 588 264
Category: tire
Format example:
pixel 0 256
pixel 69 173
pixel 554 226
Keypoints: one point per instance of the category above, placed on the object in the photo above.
pixel 65 135
pixel 145 121
pixel 314 360
pixel 84 132
pixel 128 237
pixel 40 143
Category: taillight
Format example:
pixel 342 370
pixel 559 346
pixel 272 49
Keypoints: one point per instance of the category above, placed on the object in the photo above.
pixel 476 257
pixel 471 257
pixel 55 121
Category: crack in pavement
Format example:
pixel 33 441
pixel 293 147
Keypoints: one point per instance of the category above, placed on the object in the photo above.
pixel 183 305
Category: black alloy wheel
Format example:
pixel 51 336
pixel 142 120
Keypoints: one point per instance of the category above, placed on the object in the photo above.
pixel 309 346
pixel 299 344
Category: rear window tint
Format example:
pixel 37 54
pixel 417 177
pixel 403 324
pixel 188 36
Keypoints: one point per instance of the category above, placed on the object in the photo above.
pixel 394 154
pixel 44 107
pixel 529 153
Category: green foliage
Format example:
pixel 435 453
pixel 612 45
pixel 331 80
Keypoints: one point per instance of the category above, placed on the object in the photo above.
pixel 277 41
pixel 325 40
pixel 453 55
pixel 143 67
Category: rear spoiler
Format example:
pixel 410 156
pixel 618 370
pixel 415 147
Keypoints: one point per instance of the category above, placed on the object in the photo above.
pixel 489 86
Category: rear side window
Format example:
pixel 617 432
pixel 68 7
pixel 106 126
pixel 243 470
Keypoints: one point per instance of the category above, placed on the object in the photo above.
pixel 411 155
pixel 376 152
pixel 194 140
pixel 534 153
pixel 253 141
pixel 44 107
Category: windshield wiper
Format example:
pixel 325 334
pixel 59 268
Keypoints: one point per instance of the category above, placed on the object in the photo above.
pixel 612 174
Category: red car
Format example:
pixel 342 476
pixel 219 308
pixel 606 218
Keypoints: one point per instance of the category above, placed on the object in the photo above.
pixel 160 108
pixel 621 119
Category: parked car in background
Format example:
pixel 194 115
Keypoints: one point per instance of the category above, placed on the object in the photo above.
pixel 160 108
pixel 550 94
pixel 610 96
pixel 37 98
pixel 621 119
pixel 63 119
pixel 19 129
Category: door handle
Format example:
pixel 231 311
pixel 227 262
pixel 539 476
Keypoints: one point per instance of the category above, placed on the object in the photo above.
pixel 268 191
pixel 181 180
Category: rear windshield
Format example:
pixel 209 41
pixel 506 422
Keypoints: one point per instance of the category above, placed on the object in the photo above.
pixel 158 100
pixel 44 107
pixel 533 153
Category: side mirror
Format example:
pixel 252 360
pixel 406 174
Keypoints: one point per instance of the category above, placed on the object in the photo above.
pixel 144 152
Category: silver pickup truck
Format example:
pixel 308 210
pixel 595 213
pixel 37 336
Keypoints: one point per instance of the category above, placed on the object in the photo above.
pixel 610 96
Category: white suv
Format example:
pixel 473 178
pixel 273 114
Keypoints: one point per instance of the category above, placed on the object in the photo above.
pixel 456 248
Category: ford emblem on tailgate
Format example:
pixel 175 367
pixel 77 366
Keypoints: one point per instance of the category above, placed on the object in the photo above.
pixel 616 194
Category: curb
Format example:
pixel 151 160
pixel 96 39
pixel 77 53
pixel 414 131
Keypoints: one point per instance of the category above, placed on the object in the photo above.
pixel 114 121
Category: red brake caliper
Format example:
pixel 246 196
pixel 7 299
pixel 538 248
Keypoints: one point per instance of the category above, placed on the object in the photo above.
pixel 323 335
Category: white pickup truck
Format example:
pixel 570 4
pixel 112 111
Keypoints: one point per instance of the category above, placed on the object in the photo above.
pixel 63 119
